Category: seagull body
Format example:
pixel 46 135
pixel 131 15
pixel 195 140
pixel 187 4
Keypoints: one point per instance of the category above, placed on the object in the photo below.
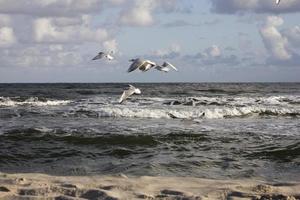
pixel 102 55
pixel 277 2
pixel 127 93
pixel 165 67
pixel 141 64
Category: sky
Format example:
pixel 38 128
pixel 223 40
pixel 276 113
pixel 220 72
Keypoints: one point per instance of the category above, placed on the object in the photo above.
pixel 207 40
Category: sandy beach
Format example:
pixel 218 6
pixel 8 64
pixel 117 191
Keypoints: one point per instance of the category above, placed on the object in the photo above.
pixel 41 186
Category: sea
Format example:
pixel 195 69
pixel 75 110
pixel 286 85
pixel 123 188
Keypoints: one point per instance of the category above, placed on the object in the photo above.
pixel 207 130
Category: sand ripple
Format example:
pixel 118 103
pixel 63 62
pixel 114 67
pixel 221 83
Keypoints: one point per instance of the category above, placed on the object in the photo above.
pixel 40 186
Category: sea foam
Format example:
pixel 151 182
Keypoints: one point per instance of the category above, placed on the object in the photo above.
pixel 33 101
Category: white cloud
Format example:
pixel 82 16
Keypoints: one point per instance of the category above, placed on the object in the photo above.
pixel 213 56
pixel 213 51
pixel 110 45
pixel 140 13
pixel 293 35
pixel 273 40
pixel 41 57
pixel 255 6
pixel 46 30
pixel 171 52
pixel 7 37
pixel 54 7
pixel 53 33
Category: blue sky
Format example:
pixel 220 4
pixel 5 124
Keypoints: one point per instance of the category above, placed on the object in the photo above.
pixel 208 40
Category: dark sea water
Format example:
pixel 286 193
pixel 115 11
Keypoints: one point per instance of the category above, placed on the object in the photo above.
pixel 200 130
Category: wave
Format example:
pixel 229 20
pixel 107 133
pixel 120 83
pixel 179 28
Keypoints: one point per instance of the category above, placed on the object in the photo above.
pixel 33 101
pixel 194 113
pixel 235 101
pixel 285 153
pixel 77 137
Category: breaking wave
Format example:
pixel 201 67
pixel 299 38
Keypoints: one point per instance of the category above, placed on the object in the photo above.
pixel 236 101
pixel 33 101
pixel 148 107
pixel 194 113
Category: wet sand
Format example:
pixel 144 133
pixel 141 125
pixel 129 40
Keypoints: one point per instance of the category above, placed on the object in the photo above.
pixel 41 186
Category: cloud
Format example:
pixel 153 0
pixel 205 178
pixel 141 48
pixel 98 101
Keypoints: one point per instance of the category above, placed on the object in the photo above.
pixel 273 40
pixel 229 48
pixel 293 35
pixel 177 23
pixel 110 45
pixel 41 57
pixel 53 33
pixel 254 6
pixel 183 23
pixel 171 52
pixel 57 30
pixel 45 8
pixel 212 22
pixel 212 56
pixel 5 20
pixel 7 37
pixel 140 13
pixel 282 45
pixel 213 51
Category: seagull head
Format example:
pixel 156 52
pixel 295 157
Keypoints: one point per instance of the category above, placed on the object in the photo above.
pixel 137 91
pixel 132 60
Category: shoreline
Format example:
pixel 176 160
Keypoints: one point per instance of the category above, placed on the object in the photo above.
pixel 41 186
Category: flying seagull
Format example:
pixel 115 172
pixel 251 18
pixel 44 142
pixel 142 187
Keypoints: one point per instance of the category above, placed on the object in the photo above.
pixel 277 2
pixel 165 67
pixel 127 93
pixel 141 64
pixel 102 55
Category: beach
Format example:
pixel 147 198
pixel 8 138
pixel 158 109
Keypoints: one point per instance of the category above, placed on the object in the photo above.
pixel 41 186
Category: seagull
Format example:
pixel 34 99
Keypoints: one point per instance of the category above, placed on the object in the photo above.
pixel 141 64
pixel 165 67
pixel 127 93
pixel 102 55
pixel 277 2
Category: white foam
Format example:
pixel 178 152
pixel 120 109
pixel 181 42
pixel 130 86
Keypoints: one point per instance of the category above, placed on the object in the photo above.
pixel 193 113
pixel 33 101
pixel 242 100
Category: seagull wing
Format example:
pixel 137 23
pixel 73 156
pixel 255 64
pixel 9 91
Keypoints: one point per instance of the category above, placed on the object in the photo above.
pixel 167 64
pixel 136 64
pixel 99 56
pixel 131 87
pixel 126 94
pixel 277 2
pixel 150 63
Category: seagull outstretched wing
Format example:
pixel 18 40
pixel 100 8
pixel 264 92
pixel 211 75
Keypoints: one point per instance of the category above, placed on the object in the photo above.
pixel 167 64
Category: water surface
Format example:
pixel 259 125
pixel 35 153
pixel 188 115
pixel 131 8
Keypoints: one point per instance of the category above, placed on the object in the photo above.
pixel 200 130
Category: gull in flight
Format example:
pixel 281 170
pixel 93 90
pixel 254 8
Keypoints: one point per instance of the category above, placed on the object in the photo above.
pixel 165 67
pixel 127 93
pixel 141 64
pixel 277 2
pixel 102 55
